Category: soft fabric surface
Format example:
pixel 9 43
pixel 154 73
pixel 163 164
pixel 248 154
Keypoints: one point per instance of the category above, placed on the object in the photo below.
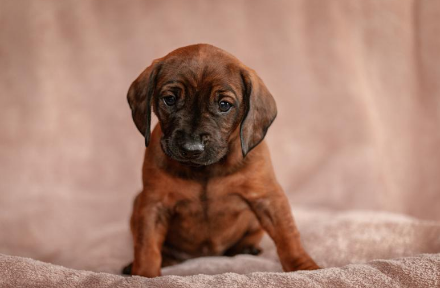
pixel 418 271
pixel 358 93
pixel 356 84
pixel 334 239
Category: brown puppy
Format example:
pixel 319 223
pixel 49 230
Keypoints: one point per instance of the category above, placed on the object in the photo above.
pixel 208 182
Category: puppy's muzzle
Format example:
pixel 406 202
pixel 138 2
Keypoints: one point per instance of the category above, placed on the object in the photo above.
pixel 192 149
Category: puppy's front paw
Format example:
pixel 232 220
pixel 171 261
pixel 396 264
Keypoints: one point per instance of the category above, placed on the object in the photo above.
pixel 308 265
pixel 300 263
pixel 145 270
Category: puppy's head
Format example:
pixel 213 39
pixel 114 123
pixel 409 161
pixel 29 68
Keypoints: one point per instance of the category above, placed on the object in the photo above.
pixel 201 95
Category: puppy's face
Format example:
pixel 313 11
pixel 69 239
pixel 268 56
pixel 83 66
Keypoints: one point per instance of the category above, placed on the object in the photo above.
pixel 199 106
pixel 201 95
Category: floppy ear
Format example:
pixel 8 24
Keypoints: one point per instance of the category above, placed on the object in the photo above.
pixel 139 98
pixel 260 111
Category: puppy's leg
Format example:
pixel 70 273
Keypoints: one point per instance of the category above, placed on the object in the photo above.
pixel 273 212
pixel 149 227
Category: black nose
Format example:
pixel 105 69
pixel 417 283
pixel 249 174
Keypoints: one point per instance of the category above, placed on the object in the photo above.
pixel 192 149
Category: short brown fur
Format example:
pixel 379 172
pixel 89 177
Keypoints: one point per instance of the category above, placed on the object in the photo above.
pixel 221 202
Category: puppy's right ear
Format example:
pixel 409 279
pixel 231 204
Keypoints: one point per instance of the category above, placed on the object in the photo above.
pixel 139 98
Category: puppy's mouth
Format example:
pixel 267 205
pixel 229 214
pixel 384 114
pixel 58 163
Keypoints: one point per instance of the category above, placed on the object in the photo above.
pixel 191 163
pixel 202 160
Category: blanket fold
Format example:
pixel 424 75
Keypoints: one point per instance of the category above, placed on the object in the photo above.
pixel 347 244
pixel 417 271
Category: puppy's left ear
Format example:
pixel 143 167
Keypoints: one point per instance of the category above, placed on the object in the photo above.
pixel 139 98
pixel 260 111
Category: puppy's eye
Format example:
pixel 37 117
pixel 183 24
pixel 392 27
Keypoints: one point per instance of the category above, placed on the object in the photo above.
pixel 224 106
pixel 169 100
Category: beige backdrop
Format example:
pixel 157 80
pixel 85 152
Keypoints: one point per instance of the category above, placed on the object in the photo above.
pixel 356 82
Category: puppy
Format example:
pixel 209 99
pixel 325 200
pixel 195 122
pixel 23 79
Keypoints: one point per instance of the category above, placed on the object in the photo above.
pixel 208 183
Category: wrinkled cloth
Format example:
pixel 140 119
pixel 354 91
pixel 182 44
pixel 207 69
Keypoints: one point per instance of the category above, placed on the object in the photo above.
pixel 333 239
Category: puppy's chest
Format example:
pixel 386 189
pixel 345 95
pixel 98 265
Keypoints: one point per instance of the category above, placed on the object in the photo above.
pixel 209 204
pixel 208 221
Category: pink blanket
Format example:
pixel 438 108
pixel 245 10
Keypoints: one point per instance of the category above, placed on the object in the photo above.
pixel 334 239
